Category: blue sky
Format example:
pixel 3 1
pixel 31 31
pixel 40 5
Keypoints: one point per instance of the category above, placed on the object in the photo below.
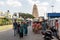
pixel 44 6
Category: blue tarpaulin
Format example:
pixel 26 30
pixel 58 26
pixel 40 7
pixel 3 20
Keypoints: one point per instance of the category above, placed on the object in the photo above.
pixel 53 15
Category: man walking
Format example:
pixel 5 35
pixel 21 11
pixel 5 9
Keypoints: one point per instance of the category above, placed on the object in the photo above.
pixel 57 26
pixel 15 27
pixel 44 26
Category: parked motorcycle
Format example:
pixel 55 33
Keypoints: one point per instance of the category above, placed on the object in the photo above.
pixel 48 35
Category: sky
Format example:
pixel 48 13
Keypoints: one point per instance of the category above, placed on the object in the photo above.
pixel 26 6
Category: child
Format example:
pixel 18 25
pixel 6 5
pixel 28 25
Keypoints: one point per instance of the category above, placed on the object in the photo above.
pixel 18 27
pixel 21 30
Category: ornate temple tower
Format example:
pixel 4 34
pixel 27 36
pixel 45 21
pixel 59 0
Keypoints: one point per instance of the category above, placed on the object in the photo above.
pixel 35 11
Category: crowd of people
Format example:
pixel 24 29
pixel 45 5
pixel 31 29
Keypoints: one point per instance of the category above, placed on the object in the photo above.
pixel 45 26
pixel 20 28
pixel 52 29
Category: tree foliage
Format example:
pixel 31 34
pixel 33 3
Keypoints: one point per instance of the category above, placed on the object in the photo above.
pixel 5 21
pixel 26 15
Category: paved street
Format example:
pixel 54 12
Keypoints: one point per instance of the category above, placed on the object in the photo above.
pixel 9 35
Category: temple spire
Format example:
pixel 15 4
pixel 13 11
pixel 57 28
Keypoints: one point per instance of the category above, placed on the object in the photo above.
pixel 35 11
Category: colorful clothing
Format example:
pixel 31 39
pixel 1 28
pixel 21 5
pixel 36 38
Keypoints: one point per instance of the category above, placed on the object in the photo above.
pixel 21 30
pixel 25 29
pixel 57 25
pixel 44 27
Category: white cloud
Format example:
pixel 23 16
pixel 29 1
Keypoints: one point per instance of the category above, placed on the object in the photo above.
pixel 42 7
pixel 58 0
pixel 37 2
pixel 13 3
pixel 33 2
pixel 45 3
pixel 30 1
pixel 1 3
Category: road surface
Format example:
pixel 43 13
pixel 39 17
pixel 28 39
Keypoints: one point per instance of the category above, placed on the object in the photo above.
pixel 9 35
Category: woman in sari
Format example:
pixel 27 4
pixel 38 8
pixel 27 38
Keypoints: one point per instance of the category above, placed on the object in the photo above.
pixel 25 25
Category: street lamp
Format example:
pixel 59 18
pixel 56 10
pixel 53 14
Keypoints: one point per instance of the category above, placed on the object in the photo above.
pixel 53 5
pixel 52 8
pixel 7 14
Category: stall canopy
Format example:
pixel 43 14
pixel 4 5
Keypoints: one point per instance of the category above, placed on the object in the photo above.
pixel 53 15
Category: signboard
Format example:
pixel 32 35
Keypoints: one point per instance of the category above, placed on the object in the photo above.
pixel 53 15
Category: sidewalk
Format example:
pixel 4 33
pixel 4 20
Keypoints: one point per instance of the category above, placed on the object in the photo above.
pixel 5 27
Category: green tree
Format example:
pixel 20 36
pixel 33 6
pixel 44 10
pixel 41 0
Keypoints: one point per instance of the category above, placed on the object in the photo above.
pixel 26 15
